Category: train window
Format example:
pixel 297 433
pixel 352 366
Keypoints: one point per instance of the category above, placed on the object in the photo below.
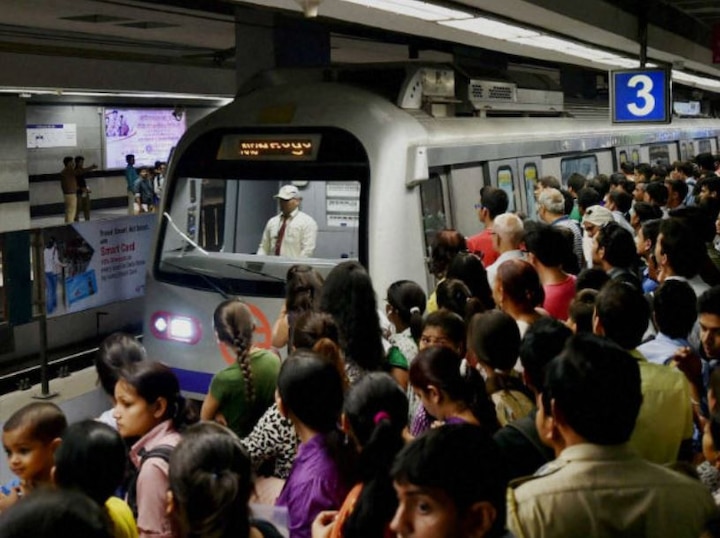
pixel 622 156
pixel 587 165
pixel 635 156
pixel 683 151
pixel 530 175
pixel 433 209
pixel 505 182
pixel 704 146
pixel 660 154
pixel 3 308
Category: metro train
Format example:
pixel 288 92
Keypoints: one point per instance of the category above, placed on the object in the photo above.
pixel 383 159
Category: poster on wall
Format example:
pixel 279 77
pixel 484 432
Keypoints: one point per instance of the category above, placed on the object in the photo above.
pixel 147 133
pixel 90 264
pixel 58 135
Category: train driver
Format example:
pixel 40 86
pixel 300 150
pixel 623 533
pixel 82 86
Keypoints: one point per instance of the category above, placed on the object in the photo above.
pixel 291 233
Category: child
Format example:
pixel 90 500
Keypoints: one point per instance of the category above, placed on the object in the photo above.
pixel 92 459
pixel 30 437
pixel 443 492
pixel 581 311
pixel 210 485
pixel 494 343
pixel 310 393
pixel 148 406
pixel 240 393
pixel 373 417
pixel 441 328
pixel 451 390
pixel 405 307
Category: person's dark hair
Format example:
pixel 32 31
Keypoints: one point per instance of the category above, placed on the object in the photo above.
pixel 588 197
pixel 45 421
pixel 659 172
pixel 549 182
pixel 445 245
pixel 658 192
pixel 548 244
pixel 622 200
pixel 579 381
pixel 685 167
pixel 494 200
pixel 543 341
pixel 468 267
pixel 628 185
pixel 651 230
pixel 705 161
pixel 581 310
pixel 709 303
pixel 619 245
pixel 317 331
pixel 678 186
pixel 303 286
pixel 234 327
pixel 623 312
pixel 79 159
pixel 450 323
pixel 699 218
pixel 521 284
pixel 591 278
pixel 348 296
pixel 628 167
pixel 376 408
pixel 439 459
pixel 600 183
pixel 116 352
pixel 683 247
pixel 409 300
pixel 674 308
pixel 153 380
pixel 646 211
pixel 210 477
pixel 494 337
pixel 49 513
pixel 67 160
pixel 91 458
pixel 452 294
pixel 312 390
pixel 129 157
pixel 711 183
pixel 645 170
pixel 440 367
pixel 576 182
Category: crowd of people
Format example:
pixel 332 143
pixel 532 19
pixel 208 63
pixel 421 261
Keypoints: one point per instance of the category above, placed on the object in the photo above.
pixel 560 381
pixel 144 185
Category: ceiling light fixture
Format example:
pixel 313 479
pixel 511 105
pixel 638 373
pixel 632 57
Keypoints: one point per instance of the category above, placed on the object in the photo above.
pixel 414 8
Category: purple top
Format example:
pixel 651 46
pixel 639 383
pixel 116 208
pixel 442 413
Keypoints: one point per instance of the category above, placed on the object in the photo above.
pixel 314 485
pixel 455 420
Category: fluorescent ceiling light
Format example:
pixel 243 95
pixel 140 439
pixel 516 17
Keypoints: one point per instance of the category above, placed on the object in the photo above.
pixel 491 28
pixel 89 93
pixel 687 78
pixel 413 8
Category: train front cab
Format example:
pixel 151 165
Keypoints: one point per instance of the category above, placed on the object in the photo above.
pixel 220 197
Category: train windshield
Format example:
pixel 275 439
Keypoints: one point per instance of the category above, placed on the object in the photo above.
pixel 238 226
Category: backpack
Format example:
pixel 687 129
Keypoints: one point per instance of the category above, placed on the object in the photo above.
pixel 161 451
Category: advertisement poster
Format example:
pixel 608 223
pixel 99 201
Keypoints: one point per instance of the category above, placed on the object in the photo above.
pixel 89 264
pixel 59 135
pixel 147 133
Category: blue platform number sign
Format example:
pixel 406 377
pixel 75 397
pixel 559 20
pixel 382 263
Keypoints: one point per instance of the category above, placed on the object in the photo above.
pixel 641 96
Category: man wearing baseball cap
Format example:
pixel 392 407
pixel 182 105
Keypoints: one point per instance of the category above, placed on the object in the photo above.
pixel 292 233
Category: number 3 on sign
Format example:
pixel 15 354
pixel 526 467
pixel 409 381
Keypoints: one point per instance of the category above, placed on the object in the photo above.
pixel 644 87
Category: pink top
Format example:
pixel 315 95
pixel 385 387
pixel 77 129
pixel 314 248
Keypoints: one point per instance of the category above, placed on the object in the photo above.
pixel 152 482
pixel 483 242
pixel 558 297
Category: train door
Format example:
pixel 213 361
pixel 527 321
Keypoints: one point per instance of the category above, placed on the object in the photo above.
pixel 517 177
pixel 464 184
pixel 436 211
pixel 624 154
pixel 663 154
pixel 705 145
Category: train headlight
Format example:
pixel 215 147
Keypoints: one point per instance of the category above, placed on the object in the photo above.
pixel 176 328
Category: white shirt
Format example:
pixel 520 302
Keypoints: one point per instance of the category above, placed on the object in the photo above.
pixel 493 267
pixel 298 240
pixel 52 262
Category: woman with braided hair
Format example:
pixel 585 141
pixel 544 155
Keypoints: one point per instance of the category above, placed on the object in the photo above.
pixel 240 393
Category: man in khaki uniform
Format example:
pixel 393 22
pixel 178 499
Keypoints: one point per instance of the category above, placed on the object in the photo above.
pixel 598 486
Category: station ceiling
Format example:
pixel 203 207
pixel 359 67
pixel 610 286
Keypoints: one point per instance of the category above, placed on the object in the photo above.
pixel 202 32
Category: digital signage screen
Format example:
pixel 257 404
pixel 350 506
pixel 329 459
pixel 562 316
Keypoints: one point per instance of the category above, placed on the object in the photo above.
pixel 147 133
